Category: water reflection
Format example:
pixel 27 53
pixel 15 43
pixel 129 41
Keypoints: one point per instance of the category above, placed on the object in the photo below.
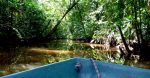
pixel 27 57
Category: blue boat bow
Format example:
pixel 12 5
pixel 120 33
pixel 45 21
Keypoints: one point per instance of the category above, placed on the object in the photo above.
pixel 82 68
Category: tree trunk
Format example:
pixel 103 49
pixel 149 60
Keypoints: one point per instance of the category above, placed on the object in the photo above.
pixel 125 43
pixel 58 23
pixel 121 14
pixel 144 48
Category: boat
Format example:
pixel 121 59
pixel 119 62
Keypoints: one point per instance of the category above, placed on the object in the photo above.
pixel 82 68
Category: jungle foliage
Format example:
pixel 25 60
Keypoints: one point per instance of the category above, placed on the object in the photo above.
pixel 21 20
pixel 37 20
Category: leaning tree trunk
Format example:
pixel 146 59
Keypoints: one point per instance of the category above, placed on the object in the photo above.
pixel 58 23
pixel 121 14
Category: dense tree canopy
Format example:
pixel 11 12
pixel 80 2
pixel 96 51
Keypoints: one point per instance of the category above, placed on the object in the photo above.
pixel 34 20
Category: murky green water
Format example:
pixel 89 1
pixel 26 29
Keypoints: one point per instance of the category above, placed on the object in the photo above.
pixel 23 58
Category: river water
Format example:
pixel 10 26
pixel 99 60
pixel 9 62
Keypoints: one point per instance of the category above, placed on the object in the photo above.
pixel 21 58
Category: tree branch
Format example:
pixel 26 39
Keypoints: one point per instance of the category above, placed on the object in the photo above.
pixel 58 23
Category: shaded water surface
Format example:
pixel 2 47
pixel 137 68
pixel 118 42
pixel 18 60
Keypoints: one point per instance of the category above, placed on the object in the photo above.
pixel 27 57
